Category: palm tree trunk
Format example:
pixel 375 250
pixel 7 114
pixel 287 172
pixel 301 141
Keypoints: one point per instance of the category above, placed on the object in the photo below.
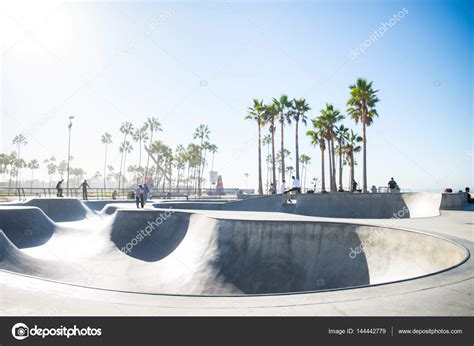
pixel 105 168
pixel 352 170
pixel 364 158
pixel 297 152
pixel 273 157
pixel 282 150
pixel 260 187
pixel 340 165
pixel 330 165
pixel 148 157
pixel 333 165
pixel 323 180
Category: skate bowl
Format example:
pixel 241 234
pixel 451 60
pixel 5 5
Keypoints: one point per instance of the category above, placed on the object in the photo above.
pixel 191 253
pixel 340 205
pixel 58 209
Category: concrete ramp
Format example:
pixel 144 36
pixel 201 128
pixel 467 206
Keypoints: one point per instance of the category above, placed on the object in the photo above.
pixel 340 205
pixel 59 209
pixel 171 252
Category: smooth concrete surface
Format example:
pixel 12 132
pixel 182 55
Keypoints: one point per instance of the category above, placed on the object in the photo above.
pixel 264 249
pixel 341 204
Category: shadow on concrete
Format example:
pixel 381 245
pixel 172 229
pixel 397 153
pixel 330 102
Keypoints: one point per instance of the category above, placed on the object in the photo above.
pixel 148 235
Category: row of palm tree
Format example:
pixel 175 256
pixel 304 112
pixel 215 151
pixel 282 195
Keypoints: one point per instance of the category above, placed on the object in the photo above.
pixel 280 111
pixel 191 159
pixel 327 133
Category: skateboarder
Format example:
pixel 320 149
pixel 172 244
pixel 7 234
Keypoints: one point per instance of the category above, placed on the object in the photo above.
pixel 84 186
pixel 59 188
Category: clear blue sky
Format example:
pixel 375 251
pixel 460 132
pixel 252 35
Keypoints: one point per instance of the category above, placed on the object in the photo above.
pixel 103 63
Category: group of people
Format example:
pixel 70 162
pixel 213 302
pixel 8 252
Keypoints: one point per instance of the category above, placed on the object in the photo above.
pixel 141 195
pixel 84 185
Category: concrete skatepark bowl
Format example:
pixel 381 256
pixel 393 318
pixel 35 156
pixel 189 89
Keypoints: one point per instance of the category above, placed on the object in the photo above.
pixel 218 253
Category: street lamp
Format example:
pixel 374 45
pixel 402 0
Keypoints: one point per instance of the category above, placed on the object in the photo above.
pixel 69 153
pixel 246 179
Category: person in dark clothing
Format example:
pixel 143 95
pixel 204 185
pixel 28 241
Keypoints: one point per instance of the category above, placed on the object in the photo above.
pixel 469 198
pixel 354 185
pixel 84 186
pixel 392 185
pixel 59 188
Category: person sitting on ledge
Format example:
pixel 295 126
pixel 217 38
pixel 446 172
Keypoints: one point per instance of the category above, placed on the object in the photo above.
pixel 469 198
pixel 295 185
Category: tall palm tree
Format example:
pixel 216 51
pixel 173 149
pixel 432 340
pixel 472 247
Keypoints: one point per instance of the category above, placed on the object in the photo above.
pixel 352 146
pixel 318 137
pixel 202 133
pixel 126 128
pixel 304 160
pixel 282 106
pixel 328 118
pixel 270 115
pixel 298 113
pixel 19 140
pixel 33 165
pixel 267 140
pixel 256 113
pixel 341 134
pixel 125 148
pixel 140 135
pixel 106 139
pixel 153 125
pixel 362 108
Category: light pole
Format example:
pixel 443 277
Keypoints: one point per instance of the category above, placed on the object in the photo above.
pixel 246 179
pixel 69 153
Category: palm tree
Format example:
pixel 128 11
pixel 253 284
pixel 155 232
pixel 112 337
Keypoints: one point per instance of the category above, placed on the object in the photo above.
pixel 300 108
pixel 256 113
pixel 282 106
pixel 267 140
pixel 362 108
pixel 202 132
pixel 106 139
pixel 126 128
pixel 270 115
pixel 33 165
pixel 352 146
pixel 213 150
pixel 140 135
pixel 318 137
pixel 328 118
pixel 19 140
pixel 341 134
pixel 304 160
pixel 153 125
pixel 125 148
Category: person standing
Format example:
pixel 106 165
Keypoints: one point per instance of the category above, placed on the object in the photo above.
pixel 146 190
pixel 392 185
pixel 84 186
pixel 139 196
pixel 59 188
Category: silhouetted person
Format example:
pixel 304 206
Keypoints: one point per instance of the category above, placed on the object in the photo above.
pixel 139 196
pixel 146 191
pixel 392 185
pixel 469 198
pixel 114 194
pixel 354 185
pixel 59 188
pixel 84 186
